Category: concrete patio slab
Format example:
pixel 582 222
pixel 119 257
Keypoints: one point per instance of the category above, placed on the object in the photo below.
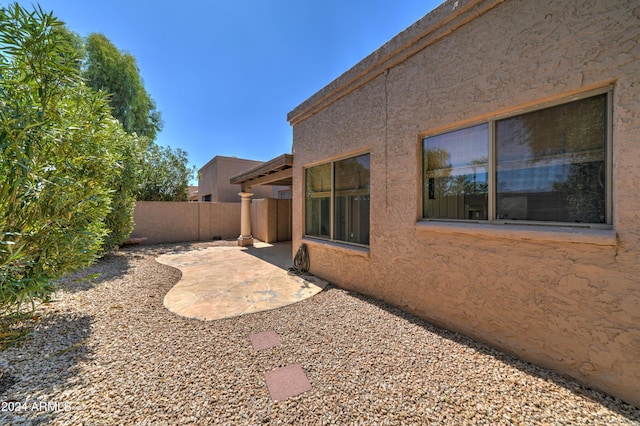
pixel 223 282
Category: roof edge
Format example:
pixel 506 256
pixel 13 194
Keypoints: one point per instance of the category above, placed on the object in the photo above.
pixel 440 22
pixel 226 157
pixel 278 163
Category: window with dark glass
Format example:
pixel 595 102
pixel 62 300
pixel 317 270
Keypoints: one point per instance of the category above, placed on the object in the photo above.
pixel 551 164
pixel 548 165
pixel 455 174
pixel 351 200
pixel 337 200
pixel 318 201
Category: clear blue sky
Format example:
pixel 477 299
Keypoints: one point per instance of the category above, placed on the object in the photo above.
pixel 225 73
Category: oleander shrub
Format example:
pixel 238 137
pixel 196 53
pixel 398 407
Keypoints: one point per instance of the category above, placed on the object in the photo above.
pixel 62 155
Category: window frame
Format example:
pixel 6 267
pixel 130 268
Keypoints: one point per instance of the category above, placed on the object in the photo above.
pixel 332 204
pixel 492 161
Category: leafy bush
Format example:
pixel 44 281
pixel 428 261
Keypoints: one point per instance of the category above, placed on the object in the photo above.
pixel 129 151
pixel 164 175
pixel 62 156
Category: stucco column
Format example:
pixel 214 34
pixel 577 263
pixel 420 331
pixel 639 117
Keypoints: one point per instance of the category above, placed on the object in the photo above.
pixel 245 238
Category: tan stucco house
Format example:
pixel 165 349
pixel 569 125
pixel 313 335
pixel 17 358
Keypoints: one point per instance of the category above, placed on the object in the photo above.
pixel 481 170
pixel 214 180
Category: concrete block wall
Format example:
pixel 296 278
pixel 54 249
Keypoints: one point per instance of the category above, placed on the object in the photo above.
pixel 172 222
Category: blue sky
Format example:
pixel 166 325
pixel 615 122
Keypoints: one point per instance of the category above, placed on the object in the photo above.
pixel 225 73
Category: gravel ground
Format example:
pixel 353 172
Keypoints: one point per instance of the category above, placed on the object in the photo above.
pixel 108 352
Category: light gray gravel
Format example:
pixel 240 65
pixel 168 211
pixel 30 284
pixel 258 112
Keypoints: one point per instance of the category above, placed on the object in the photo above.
pixel 108 352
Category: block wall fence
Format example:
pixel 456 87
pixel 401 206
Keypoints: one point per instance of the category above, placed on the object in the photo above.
pixel 176 222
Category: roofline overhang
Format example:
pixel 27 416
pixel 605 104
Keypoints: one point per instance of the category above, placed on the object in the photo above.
pixel 276 170
pixel 437 24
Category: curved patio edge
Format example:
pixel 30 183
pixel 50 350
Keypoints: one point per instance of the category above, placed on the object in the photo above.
pixel 225 282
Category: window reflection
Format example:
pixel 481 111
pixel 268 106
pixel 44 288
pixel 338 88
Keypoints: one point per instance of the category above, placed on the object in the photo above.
pixel 352 200
pixel 551 163
pixel 348 182
pixel 456 177
pixel 318 201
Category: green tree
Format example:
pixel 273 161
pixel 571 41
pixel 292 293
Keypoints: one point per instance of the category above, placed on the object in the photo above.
pixel 116 73
pixel 129 153
pixel 75 42
pixel 58 162
pixel 128 147
pixel 165 175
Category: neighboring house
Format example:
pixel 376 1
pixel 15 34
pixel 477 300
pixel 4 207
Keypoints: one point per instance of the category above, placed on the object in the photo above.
pixel 193 193
pixel 481 170
pixel 214 180
pixel 219 215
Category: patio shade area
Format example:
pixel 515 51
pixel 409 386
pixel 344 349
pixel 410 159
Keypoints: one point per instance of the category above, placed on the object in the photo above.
pixel 277 171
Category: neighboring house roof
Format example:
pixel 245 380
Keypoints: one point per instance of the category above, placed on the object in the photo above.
pixel 193 192
pixel 226 159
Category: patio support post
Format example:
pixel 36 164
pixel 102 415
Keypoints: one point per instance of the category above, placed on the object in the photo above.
pixel 245 238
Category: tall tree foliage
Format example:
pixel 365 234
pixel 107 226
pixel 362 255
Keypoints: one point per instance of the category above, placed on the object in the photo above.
pixel 62 153
pixel 164 173
pixel 165 176
pixel 117 74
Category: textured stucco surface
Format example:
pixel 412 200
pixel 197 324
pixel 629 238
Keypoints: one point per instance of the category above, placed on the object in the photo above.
pixel 571 306
pixel 174 222
pixel 271 220
pixel 213 179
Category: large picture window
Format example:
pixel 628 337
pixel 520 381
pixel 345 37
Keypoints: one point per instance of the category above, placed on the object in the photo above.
pixel 337 200
pixel 548 165
pixel 455 174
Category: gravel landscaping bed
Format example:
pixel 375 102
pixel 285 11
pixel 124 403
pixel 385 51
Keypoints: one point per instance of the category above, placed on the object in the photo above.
pixel 108 352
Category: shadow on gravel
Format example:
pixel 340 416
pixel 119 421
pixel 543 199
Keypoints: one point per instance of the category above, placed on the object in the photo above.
pixel 6 382
pixel 609 402
pixel 118 263
pixel 159 249
pixel 112 265
pixel 55 348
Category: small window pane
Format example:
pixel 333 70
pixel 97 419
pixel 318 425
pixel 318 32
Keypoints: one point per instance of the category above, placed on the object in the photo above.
pixel 455 174
pixel 318 201
pixel 352 200
pixel 551 164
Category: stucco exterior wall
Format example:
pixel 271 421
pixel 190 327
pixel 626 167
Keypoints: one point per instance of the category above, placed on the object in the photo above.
pixel 271 220
pixel 173 222
pixel 566 299
pixel 213 179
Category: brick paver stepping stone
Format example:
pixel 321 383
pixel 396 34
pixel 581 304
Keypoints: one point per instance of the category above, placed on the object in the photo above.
pixel 286 382
pixel 264 340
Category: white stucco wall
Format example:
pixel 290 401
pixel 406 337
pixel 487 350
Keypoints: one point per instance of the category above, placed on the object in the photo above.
pixel 565 299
